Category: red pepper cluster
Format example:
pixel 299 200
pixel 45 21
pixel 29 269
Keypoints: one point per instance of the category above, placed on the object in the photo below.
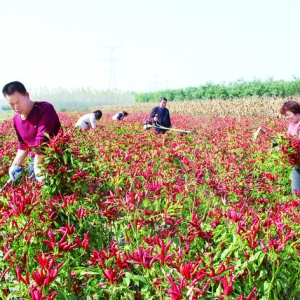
pixel 290 148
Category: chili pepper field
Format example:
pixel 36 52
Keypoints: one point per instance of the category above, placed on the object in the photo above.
pixel 127 214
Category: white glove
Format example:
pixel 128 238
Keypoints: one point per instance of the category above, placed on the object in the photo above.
pixel 37 172
pixel 14 172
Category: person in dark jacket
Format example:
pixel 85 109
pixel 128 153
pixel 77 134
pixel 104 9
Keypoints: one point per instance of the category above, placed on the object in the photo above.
pixel 161 116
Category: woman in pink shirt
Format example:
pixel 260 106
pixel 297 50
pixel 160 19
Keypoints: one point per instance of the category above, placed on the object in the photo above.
pixel 291 111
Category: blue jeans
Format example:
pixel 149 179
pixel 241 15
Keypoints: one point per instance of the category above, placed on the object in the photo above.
pixel 296 179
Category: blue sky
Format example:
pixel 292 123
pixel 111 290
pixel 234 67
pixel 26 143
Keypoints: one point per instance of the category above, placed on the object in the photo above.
pixel 146 45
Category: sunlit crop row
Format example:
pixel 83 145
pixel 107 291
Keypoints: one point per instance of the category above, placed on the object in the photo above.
pixel 126 214
pixel 244 108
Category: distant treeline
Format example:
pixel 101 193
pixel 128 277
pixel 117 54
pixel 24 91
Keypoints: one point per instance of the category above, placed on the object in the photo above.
pixel 239 89
pixel 81 99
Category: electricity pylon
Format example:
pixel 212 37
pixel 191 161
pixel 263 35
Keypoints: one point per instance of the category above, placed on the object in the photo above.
pixel 112 70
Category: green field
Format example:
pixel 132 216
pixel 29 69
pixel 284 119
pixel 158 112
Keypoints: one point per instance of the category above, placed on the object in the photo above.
pixel 5 116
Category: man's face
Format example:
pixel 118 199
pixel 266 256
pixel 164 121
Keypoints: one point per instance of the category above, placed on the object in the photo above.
pixel 19 103
pixel 163 103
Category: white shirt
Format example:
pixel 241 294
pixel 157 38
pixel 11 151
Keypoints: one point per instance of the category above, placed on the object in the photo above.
pixel 115 117
pixel 86 120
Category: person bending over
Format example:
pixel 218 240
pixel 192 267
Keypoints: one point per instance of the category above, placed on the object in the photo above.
pixel 89 120
pixel 120 116
pixel 34 121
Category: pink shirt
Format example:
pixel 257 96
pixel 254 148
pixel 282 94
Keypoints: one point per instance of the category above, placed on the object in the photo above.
pixel 294 128
pixel 42 119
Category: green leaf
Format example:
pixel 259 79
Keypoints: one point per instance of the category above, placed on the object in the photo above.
pixel 127 281
pixel 254 257
pixel 261 258
pixel 128 275
pixel 262 273
pixel 233 238
pixel 145 287
pixel 219 290
pixel 141 278
pixel 224 253
pixel 266 286
pixel 244 265
pixel 279 287
pixel 87 272
pixel 238 263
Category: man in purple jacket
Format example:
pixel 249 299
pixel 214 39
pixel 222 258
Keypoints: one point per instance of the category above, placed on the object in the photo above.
pixel 31 121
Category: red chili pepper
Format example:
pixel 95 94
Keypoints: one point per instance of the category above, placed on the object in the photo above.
pixel 39 277
pixel 85 241
pixel 263 246
pixel 62 245
pixel 77 241
pixel 14 224
pixel 227 286
pixel 251 293
pixel 221 268
pixel 278 250
pixel 18 273
pixel 51 236
pixel 67 247
pixel 54 273
pixel 48 278
pixel 63 238
pixel 80 213
pixel 205 287
pixel 49 244
pixel 27 277
pixel 4 273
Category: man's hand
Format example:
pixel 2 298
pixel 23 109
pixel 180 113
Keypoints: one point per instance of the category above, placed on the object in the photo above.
pixel 155 118
pixel 37 173
pixel 14 172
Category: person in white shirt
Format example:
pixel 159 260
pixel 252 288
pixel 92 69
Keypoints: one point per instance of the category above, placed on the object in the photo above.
pixel 89 120
pixel 120 116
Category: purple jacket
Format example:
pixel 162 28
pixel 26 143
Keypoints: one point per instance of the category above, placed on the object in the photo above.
pixel 42 118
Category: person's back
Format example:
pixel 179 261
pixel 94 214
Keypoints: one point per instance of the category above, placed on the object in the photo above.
pixel 120 116
pixel 89 120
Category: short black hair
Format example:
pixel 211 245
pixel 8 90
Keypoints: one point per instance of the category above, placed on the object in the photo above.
pixel 98 114
pixel 163 98
pixel 12 87
pixel 125 113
